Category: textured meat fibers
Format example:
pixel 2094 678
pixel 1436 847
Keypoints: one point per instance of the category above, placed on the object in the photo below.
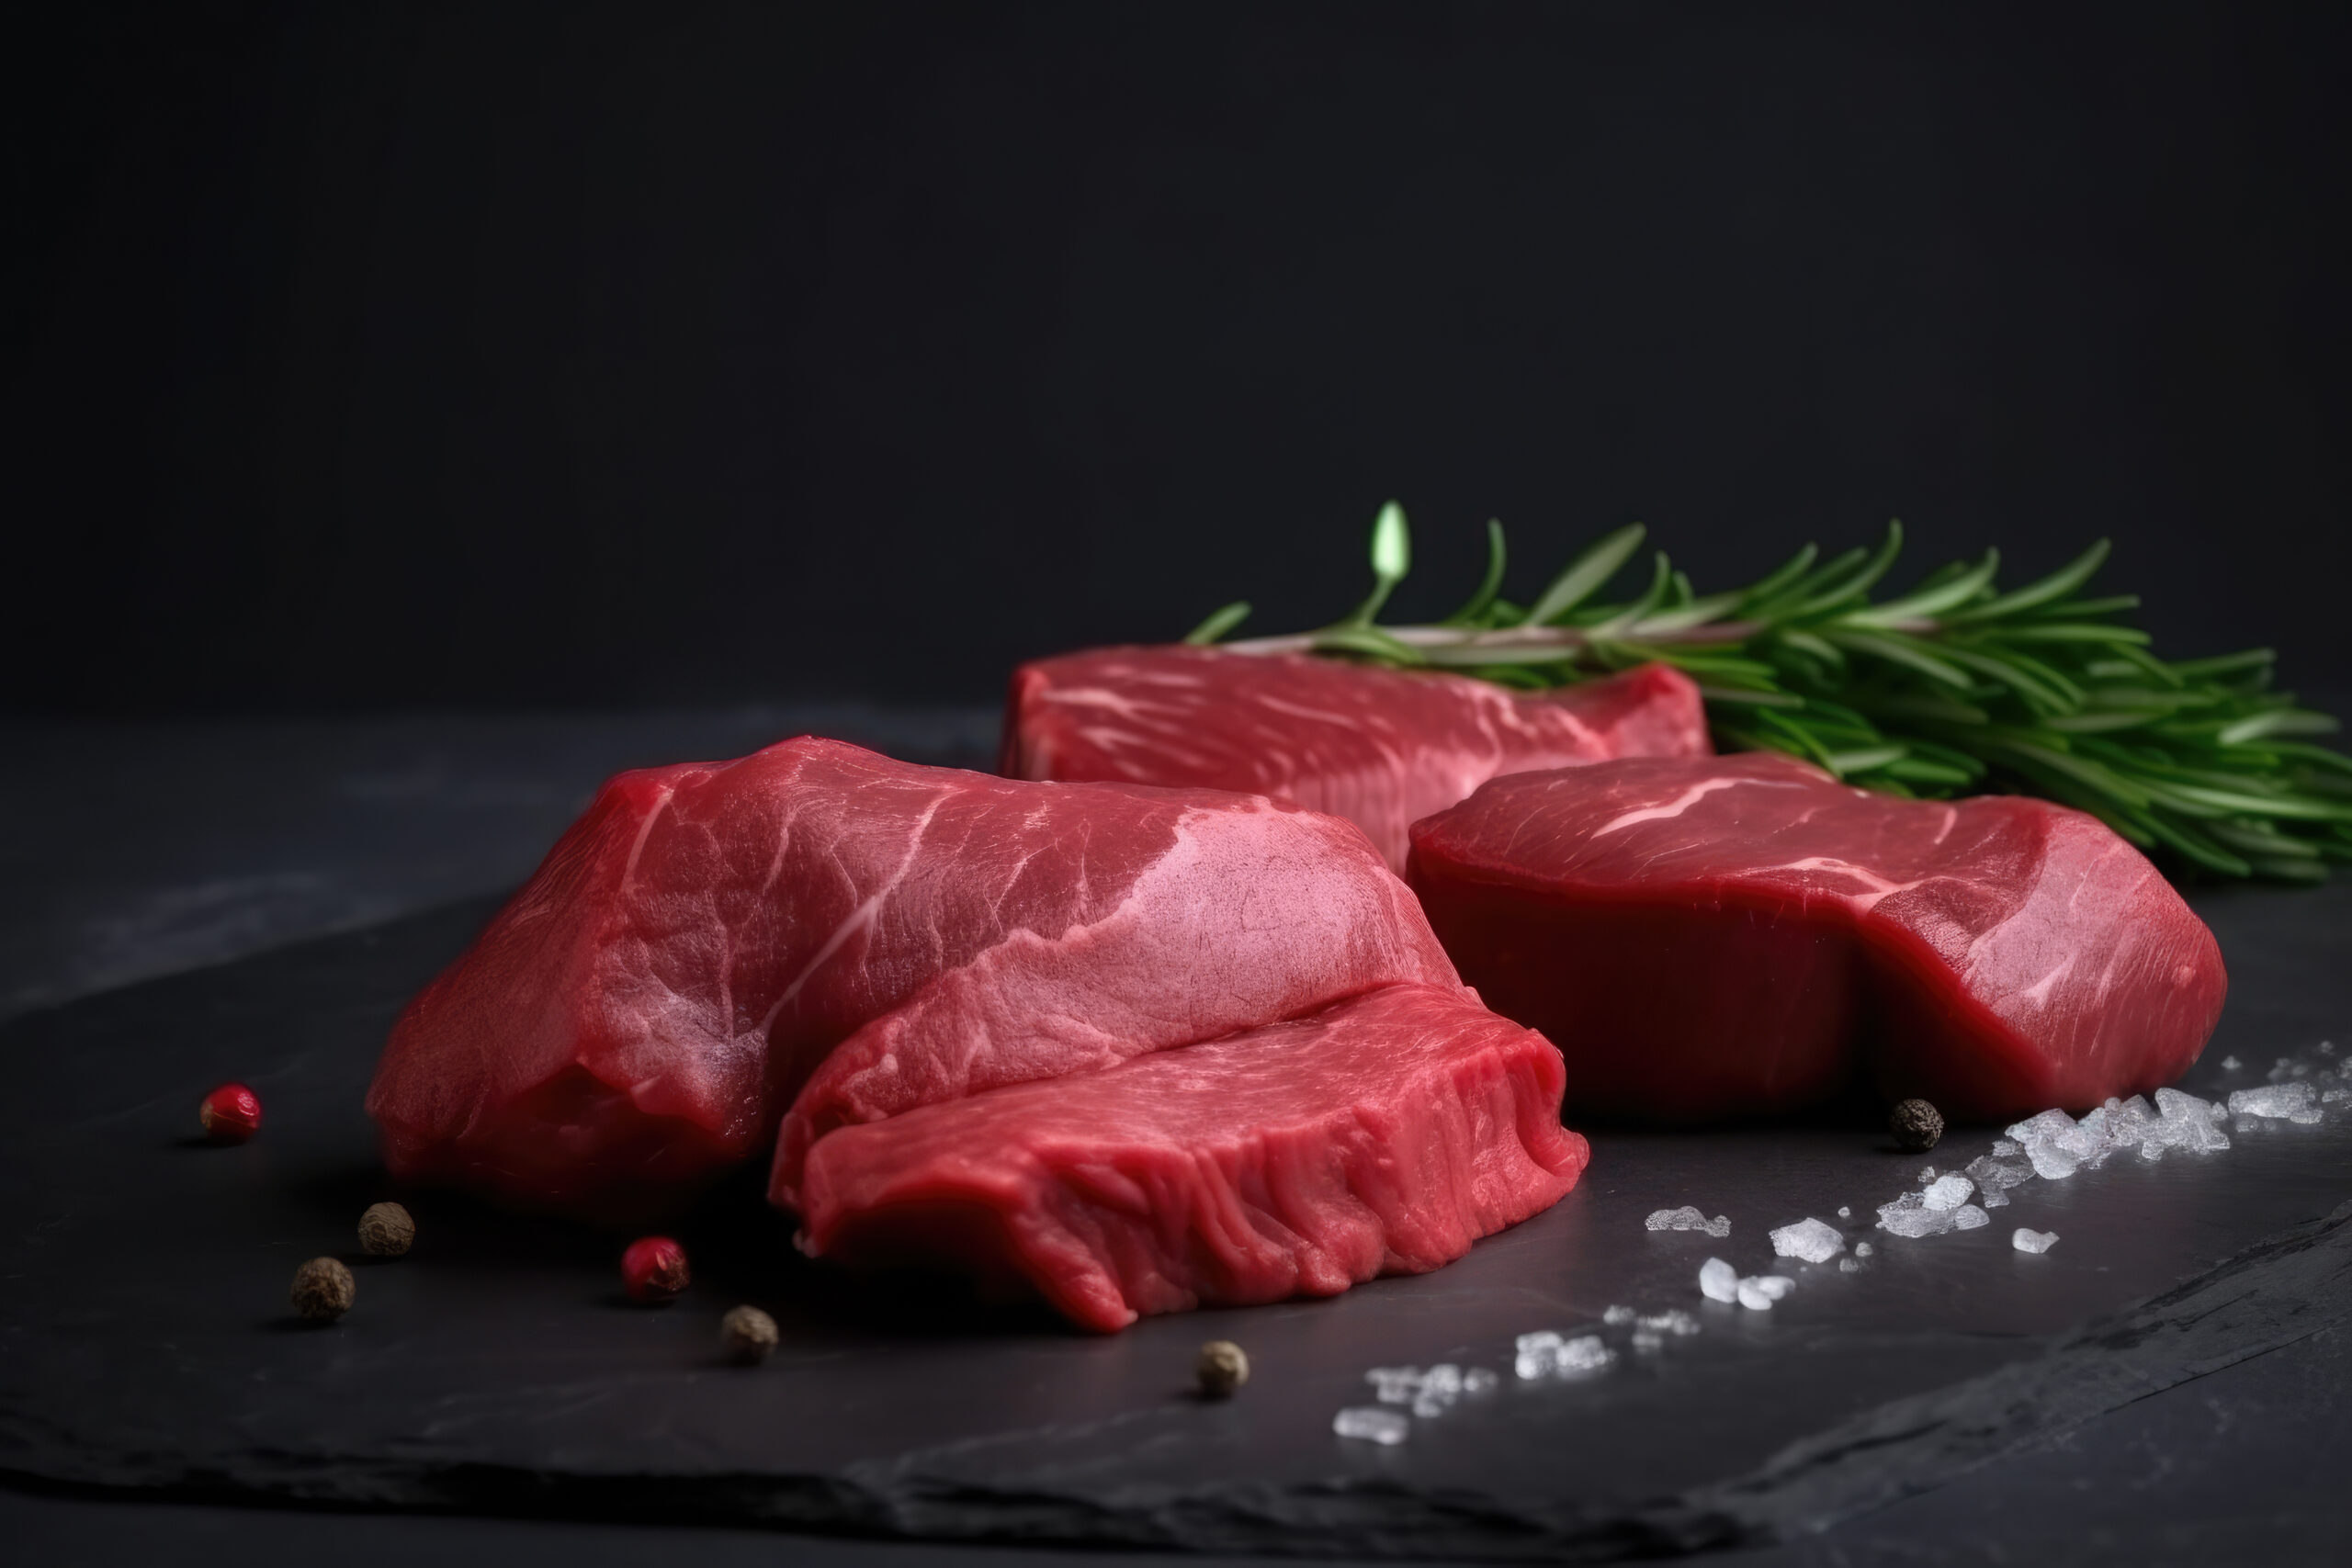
pixel 1742 935
pixel 644 1010
pixel 1381 1135
pixel 1382 748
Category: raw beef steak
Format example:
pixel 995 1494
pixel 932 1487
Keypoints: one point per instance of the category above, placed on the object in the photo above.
pixel 1381 1135
pixel 1742 935
pixel 643 1010
pixel 1382 748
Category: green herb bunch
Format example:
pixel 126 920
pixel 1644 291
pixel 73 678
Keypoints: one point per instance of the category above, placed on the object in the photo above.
pixel 1951 688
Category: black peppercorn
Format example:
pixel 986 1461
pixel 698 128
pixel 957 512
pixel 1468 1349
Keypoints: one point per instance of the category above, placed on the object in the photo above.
pixel 1915 1126
pixel 1221 1369
pixel 324 1290
pixel 747 1334
pixel 386 1230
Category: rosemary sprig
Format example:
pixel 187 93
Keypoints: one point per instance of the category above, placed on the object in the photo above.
pixel 1951 688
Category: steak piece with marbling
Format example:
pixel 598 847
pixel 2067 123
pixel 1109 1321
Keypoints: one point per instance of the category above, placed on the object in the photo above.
pixel 1382 748
pixel 1380 1135
pixel 1743 935
pixel 640 1015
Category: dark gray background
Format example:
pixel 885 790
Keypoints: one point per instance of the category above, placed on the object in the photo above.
pixel 400 354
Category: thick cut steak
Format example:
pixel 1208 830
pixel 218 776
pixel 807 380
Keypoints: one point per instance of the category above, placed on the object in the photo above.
pixel 1382 748
pixel 648 1005
pixel 1742 935
pixel 1381 1135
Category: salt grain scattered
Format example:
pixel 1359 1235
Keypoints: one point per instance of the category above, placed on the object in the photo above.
pixel 1808 1239
pixel 1585 1353
pixel 1675 1321
pixel 2281 1102
pixel 1863 1250
pixel 1647 1343
pixel 1994 1178
pixel 1617 1315
pixel 1847 1266
pixel 1441 1386
pixel 1844 1212
pixel 1372 1424
pixel 2033 1241
pixel 1947 1191
pixel 1910 1217
pixel 2231 1063
pixel 1686 1218
pixel 1546 1355
pixel 1718 1281
pixel 1430 1391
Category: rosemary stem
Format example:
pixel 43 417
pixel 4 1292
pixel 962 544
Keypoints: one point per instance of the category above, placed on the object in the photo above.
pixel 1509 639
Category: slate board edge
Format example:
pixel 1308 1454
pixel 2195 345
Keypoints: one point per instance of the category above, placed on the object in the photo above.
pixel 2273 1293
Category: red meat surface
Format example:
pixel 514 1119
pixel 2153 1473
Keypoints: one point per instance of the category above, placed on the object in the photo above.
pixel 1383 1134
pixel 1382 748
pixel 641 1013
pixel 1744 934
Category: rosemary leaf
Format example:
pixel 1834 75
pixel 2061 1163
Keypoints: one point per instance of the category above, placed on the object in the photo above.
pixel 1586 576
pixel 1218 624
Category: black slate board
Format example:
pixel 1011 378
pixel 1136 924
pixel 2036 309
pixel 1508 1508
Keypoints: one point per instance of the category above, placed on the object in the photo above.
pixel 148 1346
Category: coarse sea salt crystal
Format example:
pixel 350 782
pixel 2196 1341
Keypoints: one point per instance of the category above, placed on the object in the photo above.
pixel 1585 1353
pixel 1847 1266
pixel 1863 1250
pixel 1547 1355
pixel 2050 1141
pixel 2004 1147
pixel 1718 1281
pixel 1370 1424
pixel 1441 1386
pixel 1759 1292
pixel 1908 1216
pixel 1844 1212
pixel 1969 1217
pixel 2280 1102
pixel 1430 1391
pixel 1808 1239
pixel 2188 1122
pixel 1994 1178
pixel 1673 1321
pixel 2231 1063
pixel 2033 1241
pixel 1927 1174
pixel 2052 1162
pixel 1947 1191
pixel 1686 1218
pixel 1617 1315
pixel 2335 1096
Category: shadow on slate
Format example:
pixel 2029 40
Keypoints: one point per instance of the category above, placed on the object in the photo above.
pixel 496 1368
